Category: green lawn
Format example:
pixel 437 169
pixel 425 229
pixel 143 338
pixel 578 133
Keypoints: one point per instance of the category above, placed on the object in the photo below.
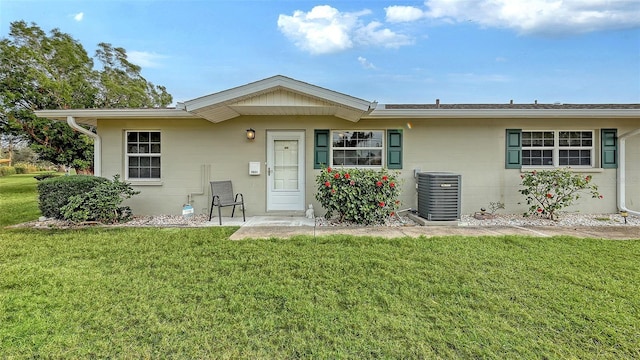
pixel 18 199
pixel 192 293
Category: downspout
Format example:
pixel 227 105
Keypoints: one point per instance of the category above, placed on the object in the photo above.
pixel 97 156
pixel 621 172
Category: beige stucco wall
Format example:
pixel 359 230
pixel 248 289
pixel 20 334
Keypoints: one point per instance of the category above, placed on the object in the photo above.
pixel 197 150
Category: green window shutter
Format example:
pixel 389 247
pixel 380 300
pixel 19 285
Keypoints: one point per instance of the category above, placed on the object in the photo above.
pixel 609 148
pixel 394 149
pixel 321 149
pixel 513 157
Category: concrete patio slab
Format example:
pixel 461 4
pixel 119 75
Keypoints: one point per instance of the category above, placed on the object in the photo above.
pixel 266 227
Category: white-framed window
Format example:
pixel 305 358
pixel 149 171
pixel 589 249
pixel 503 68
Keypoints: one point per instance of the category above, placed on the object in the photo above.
pixel 357 148
pixel 557 148
pixel 143 154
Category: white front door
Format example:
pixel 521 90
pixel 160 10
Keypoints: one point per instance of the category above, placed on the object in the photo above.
pixel 285 170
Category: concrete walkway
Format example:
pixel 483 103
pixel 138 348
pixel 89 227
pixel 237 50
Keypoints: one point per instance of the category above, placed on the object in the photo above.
pixel 265 227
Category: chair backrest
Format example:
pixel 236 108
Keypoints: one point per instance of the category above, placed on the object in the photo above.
pixel 224 190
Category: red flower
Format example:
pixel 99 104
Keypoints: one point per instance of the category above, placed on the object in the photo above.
pixel 549 196
pixel 385 178
pixel 352 182
pixel 333 191
pixel 328 169
pixel 392 184
pixel 327 184
pixel 397 202
pixel 601 197
pixel 379 184
pixel 588 178
pixel 336 176
pixel 346 176
pixel 381 203
pixel 539 210
pixel 392 213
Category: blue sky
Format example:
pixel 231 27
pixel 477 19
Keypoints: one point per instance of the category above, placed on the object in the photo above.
pixel 467 51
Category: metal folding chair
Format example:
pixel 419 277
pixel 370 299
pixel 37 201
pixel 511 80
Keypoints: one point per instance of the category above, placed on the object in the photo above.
pixel 222 195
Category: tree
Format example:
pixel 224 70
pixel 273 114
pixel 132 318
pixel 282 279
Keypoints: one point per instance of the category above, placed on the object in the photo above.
pixel 54 72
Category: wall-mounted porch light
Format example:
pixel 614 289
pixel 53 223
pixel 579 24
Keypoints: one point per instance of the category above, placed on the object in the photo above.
pixel 251 134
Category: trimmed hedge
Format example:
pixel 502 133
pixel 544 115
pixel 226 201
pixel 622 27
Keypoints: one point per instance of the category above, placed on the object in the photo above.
pixel 54 193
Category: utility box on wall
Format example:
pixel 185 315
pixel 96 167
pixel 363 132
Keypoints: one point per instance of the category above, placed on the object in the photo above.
pixel 439 196
pixel 254 168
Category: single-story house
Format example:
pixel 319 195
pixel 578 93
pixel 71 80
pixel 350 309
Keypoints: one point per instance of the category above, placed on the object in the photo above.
pixel 171 154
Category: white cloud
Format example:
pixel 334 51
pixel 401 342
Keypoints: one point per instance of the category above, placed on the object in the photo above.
pixel 79 16
pixel 145 59
pixel 325 30
pixel 365 63
pixel 397 13
pixel 373 34
pixel 552 17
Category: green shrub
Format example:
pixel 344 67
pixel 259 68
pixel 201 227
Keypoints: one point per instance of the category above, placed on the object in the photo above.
pixel 41 177
pixel 7 170
pixel 102 203
pixel 25 168
pixel 363 196
pixel 548 191
pixel 54 193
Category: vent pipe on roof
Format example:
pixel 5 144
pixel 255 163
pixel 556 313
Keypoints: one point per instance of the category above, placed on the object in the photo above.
pixel 438 103
pixel 97 156
pixel 511 102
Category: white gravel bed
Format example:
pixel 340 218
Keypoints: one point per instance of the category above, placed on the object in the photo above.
pixel 566 219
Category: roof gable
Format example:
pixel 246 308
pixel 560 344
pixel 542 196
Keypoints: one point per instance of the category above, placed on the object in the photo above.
pixel 277 95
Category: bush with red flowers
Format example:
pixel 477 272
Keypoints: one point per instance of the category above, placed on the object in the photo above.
pixel 549 191
pixel 363 196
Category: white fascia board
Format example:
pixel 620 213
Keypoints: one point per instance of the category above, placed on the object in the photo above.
pixel 113 114
pixel 276 82
pixel 501 113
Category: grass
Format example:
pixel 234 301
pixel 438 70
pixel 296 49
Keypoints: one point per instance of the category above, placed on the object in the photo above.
pixel 18 199
pixel 192 293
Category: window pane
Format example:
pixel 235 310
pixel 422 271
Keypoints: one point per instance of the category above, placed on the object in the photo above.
pixel 377 138
pixel 133 161
pixel 145 161
pixel 144 137
pixel 132 137
pixel 350 157
pixel 155 173
pixel 574 157
pixel 132 149
pixel 338 157
pixel 155 136
pixel 133 172
pixel 145 173
pixel 155 148
pixel 537 157
pixel 155 161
